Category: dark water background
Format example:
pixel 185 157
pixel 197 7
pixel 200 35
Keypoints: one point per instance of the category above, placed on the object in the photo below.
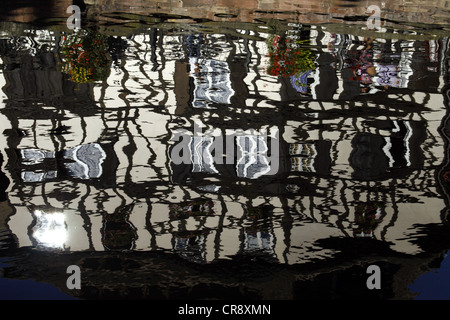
pixel 354 172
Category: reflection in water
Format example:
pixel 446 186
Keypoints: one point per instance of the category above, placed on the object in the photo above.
pixel 311 143
pixel 50 230
pixel 83 162
pixel 118 232
pixel 367 218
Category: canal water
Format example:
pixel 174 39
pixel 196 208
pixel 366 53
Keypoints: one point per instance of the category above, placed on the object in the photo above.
pixel 248 151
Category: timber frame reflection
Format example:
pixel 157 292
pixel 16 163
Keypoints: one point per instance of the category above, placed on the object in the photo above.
pixel 99 153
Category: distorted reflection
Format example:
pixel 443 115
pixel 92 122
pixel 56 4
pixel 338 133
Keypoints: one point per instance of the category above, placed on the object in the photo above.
pixel 84 56
pixel 259 238
pixel 253 153
pixel 201 157
pixel 367 217
pixel 83 162
pixel 88 160
pixel 118 233
pixel 212 83
pixel 285 142
pixel 50 230
pixel 253 161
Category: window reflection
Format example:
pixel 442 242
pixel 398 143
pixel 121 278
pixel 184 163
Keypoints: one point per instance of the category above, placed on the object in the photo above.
pixel 253 161
pixel 83 162
pixel 212 81
pixel 50 230
pixel 87 159
pixel 118 233
pixel 367 218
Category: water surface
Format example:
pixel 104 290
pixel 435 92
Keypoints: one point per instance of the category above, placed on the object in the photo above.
pixel 178 158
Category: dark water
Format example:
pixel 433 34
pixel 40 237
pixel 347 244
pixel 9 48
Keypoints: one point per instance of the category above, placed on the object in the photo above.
pixel 264 160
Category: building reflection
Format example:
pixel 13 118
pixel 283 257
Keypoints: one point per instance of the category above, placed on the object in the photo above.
pixel 309 158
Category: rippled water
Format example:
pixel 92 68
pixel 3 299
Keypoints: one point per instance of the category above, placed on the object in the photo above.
pixel 271 159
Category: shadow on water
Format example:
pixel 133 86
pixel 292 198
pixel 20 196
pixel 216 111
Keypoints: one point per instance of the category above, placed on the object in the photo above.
pixel 252 152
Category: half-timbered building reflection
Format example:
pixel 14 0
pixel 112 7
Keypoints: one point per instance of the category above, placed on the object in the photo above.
pixel 92 165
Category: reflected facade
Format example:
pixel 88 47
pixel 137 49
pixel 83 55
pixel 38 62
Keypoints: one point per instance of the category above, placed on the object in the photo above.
pixel 343 143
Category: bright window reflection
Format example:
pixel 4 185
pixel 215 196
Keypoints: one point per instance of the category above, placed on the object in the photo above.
pixel 50 230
